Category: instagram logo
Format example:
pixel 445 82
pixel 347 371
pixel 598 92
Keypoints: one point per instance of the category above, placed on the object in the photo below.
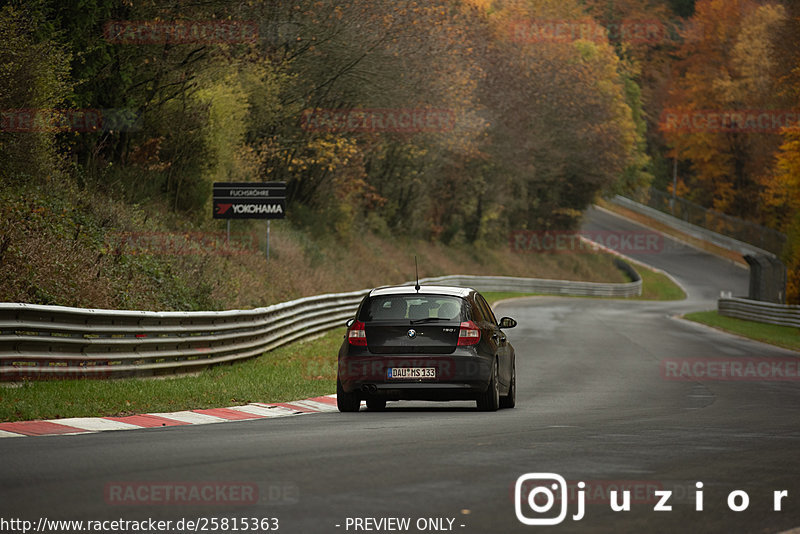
pixel 540 491
pixel 537 494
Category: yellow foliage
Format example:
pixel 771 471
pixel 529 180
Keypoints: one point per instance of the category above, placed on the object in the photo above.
pixel 781 194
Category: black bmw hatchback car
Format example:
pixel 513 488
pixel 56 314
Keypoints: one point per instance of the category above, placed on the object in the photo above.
pixel 426 343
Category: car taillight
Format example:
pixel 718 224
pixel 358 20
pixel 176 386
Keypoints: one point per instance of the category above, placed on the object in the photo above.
pixel 357 335
pixel 469 334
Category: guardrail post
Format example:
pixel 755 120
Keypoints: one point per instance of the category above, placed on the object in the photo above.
pixel 767 278
pixel 755 289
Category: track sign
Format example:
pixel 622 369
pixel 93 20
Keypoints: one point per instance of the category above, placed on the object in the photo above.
pixel 266 200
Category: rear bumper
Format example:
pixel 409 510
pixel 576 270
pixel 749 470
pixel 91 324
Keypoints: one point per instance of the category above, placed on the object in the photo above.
pixel 458 376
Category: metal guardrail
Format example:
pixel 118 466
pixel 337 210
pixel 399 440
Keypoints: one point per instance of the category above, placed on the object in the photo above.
pixel 39 341
pixel 762 312
pixel 548 287
pixel 720 223
pixel 767 272
pixel 688 228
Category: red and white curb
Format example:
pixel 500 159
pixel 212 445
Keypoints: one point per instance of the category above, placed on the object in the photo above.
pixel 89 425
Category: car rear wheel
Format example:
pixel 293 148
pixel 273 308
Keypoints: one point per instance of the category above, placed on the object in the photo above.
pixel 346 402
pixel 510 400
pixel 489 401
pixel 376 404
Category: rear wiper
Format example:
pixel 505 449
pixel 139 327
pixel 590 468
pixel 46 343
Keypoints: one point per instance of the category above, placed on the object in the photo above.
pixel 429 319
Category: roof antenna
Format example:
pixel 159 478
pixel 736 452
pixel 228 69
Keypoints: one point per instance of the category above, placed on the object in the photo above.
pixel 416 269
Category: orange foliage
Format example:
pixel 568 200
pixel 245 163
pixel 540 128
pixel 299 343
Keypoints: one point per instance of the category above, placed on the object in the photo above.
pixel 726 68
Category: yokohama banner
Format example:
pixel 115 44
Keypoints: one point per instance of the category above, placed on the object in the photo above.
pixel 265 200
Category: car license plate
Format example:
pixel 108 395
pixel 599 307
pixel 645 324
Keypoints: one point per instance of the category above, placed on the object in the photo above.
pixel 411 372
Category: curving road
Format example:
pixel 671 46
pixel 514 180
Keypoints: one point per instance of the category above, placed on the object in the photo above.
pixel 592 406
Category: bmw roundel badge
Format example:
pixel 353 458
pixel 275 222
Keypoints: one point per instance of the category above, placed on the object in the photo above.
pixel 412 333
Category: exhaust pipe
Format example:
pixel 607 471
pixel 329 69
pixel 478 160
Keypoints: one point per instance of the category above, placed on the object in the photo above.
pixel 369 388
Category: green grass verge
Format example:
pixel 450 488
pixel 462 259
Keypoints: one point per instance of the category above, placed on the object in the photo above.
pixel 296 371
pixel 496 296
pixel 782 336
pixel 655 286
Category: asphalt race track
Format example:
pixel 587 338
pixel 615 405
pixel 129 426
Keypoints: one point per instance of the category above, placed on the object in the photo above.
pixel 593 405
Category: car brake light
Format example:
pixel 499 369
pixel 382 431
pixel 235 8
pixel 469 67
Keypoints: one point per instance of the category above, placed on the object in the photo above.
pixel 357 335
pixel 469 334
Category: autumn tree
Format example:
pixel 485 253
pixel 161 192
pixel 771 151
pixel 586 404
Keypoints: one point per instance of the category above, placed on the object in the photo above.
pixel 730 67
pixel 359 55
pixel 34 76
pixel 781 193
pixel 561 130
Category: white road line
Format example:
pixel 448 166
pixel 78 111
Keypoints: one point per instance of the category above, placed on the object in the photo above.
pixel 314 405
pixel 191 417
pixel 95 424
pixel 263 411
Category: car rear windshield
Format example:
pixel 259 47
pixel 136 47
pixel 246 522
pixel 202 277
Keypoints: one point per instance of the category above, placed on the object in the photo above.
pixel 411 308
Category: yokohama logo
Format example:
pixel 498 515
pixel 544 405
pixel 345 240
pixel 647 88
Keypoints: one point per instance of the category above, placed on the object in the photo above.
pixel 256 208
pixel 249 208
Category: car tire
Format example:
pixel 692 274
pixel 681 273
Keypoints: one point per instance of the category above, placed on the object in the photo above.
pixel 489 401
pixel 346 402
pixel 376 404
pixel 510 400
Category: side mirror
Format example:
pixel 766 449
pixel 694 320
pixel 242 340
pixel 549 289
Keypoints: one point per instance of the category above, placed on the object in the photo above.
pixel 350 322
pixel 507 322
